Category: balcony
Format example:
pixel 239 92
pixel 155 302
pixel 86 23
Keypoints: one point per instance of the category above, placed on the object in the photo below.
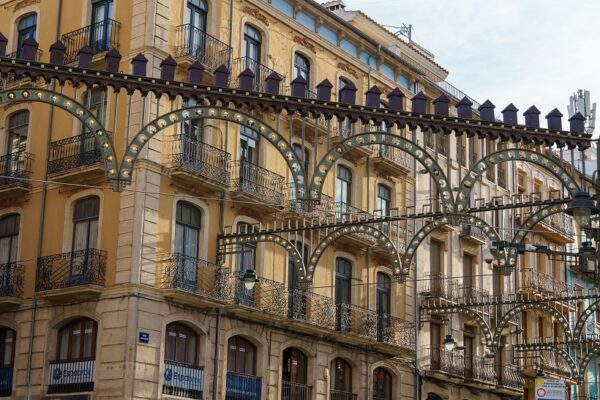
pixel 473 234
pixel 6 379
pixel 346 213
pixel 197 45
pixel 546 360
pixel 534 282
pixel 480 370
pixel 17 168
pixel 295 391
pixel 438 287
pixel 242 387
pixel 261 72
pixel 341 395
pixel 100 36
pixel 395 331
pixel 11 284
pixel 75 158
pixel 194 162
pixel 345 129
pixel 268 296
pixel 79 274
pixel 393 160
pixel 257 185
pixel 436 360
pixel 71 376
pixel 311 309
pixel 557 227
pixel 511 377
pixel 183 380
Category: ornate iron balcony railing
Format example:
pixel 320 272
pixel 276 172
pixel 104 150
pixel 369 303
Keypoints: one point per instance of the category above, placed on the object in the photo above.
pixel 546 360
pixel 341 395
pixel 6 379
pixel 438 359
pixel 78 268
pixel 183 380
pixel 358 320
pixel 242 387
pixel 15 165
pixel 194 275
pixel 17 55
pixel 100 36
pixel 261 72
pixel 71 376
pixel 396 156
pixel 396 331
pixel 472 232
pixel 312 308
pixel 295 391
pixel 73 152
pixel 258 182
pixel 199 45
pixel 511 377
pixel 561 223
pixel 530 279
pixel 268 296
pixel 480 369
pixel 11 279
pixel 201 159
pixel 439 286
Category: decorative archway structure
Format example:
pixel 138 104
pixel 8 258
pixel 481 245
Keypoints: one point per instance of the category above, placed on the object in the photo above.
pixel 470 313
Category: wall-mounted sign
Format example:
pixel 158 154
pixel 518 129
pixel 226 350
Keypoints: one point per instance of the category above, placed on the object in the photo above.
pixel 550 389
pixel 144 337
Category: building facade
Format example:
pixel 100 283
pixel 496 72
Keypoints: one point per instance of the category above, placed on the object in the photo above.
pixel 247 251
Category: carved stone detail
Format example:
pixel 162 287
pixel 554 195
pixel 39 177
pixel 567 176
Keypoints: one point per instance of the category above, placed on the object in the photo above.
pixel 255 12
pixel 306 43
pixel 346 67
pixel 25 3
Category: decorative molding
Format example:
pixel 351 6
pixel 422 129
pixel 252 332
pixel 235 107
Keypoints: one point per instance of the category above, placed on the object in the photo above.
pixel 346 67
pixel 306 43
pixel 25 3
pixel 255 12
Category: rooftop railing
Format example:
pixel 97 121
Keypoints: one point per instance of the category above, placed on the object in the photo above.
pixel 199 45
pixel 100 36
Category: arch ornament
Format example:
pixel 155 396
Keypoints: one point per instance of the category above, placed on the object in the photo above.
pixel 219 113
pixel 78 111
pixel 476 316
pixel 388 139
pixel 468 182
pixel 585 360
pixel 581 321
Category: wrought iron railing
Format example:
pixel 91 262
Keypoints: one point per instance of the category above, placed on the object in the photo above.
pixel 78 268
pixel 194 275
pixel 473 232
pixel 396 156
pixel 440 286
pixel 395 331
pixel 546 360
pixel 71 376
pixel 358 320
pixel 268 296
pixel 341 395
pixel 531 279
pixel 202 159
pixel 73 152
pixel 242 387
pixel 345 212
pixel 295 391
pixel 15 165
pixel 312 308
pixel 480 369
pixel 502 177
pixel 561 223
pixel 308 94
pixel 261 72
pixel 199 45
pixel 100 36
pixel 511 377
pixel 183 380
pixel 438 359
pixel 17 54
pixel 11 279
pixel 6 379
pixel 258 182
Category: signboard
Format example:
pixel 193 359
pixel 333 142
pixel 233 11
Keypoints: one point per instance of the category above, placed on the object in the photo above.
pixel 69 373
pixel 550 389
pixel 184 377
pixel 144 337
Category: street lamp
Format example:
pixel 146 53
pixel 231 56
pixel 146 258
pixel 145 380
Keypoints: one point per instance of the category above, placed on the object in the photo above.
pixel 249 278
pixel 449 343
pixel 587 258
pixel 582 208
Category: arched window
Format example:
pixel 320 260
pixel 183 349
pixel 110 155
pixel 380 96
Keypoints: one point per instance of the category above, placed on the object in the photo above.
pixel 241 356
pixel 384 199
pixel 181 344
pixel 187 229
pixel 18 126
pixel 77 340
pixel 252 46
pixel 382 384
pixel 86 213
pixel 342 380
pixel 343 191
pixel 102 24
pixel 9 239
pixel 26 28
pixel 301 67
pixel 343 292
pixel 294 375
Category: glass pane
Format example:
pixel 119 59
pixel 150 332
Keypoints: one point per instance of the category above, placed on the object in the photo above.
pixel 181 341
pixel 191 242
pixel 179 237
pixel 88 340
pixel 93 241
pixel 191 356
pixel 76 342
pixel 170 346
pixel 80 232
pixel 64 344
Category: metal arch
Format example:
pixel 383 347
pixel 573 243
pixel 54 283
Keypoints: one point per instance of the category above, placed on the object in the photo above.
pixel 78 111
pixel 262 237
pixel 487 332
pixel 375 233
pixel 528 225
pixel 584 317
pixel 220 113
pixel 531 306
pixel 468 182
pixel 585 361
pixel 411 249
pixel 388 139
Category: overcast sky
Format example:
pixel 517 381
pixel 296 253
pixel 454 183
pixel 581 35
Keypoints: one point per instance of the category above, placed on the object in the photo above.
pixel 520 51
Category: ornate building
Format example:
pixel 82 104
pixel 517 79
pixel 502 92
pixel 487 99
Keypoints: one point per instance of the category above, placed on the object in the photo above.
pixel 271 200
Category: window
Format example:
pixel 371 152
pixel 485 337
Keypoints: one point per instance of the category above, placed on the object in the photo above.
pixel 295 365
pixel 195 18
pixel 85 223
pixel 192 128
pixel 241 356
pixel 469 343
pixel 303 155
pixel 249 146
pixel 296 298
pixel 468 275
pixel 246 257
pixel 384 290
pixel 346 127
pixel 18 126
pixel 9 239
pixel 301 67
pixel 26 28
pixel 343 189
pixel 77 340
pixel 342 377
pixel 382 384
pixel 252 45
pixel 181 344
pixel 384 199
pixel 306 20
pixel 187 229
pixel 7 347
pixel 343 292
pixel 101 28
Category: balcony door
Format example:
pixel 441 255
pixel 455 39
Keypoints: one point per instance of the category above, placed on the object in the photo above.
pixel 342 380
pixel 343 191
pixel 245 260
pixel 343 290
pixel 195 17
pixel 248 173
pixel 469 343
pixel 384 286
pixel 85 238
pixel 241 357
pixel 294 375
pixel 7 360
pixel 384 205
pixel 95 101
pixel 297 299
pixel 100 32
pixel 26 28
pixel 9 241
pixel 18 127
pixel 251 52
pixel 382 384
pixel 187 237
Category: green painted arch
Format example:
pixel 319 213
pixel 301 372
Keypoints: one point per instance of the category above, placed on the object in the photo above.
pixel 468 312
pixel 531 306
pixel 388 139
pixel 219 113
pixel 380 237
pixel 237 239
pixel 413 245
pixel 74 108
pixel 528 225
pixel 581 321
pixel 468 182
pixel 585 360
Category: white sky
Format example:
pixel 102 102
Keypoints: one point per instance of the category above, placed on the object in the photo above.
pixel 521 51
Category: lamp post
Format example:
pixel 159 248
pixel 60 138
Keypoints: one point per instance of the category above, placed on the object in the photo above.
pixel 249 278
pixel 582 208
pixel 449 343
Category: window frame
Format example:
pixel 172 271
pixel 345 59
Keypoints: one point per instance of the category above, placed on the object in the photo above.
pixel 187 225
pixel 82 344
pixel 12 235
pixel 20 128
pixel 302 70
pixel 182 328
pixel 249 365
pixel 75 220
pixel 4 363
